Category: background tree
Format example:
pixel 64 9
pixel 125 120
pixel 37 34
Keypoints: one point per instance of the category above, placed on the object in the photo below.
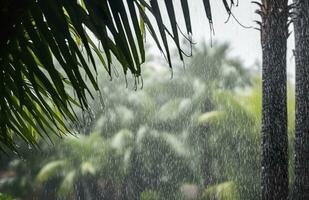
pixel 301 27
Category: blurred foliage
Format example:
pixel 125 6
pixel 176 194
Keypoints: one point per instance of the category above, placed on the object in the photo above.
pixel 223 191
pixel 5 197
pixel 150 195
pixel 194 136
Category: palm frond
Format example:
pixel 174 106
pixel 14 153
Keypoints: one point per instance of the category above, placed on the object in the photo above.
pixel 40 35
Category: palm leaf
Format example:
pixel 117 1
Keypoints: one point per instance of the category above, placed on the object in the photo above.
pixel 50 170
pixel 39 36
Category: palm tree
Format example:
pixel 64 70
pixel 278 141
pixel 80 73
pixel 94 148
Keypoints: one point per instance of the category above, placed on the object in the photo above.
pixel 301 27
pixel 274 34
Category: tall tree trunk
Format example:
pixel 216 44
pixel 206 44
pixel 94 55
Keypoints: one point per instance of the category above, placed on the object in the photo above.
pixel 274 33
pixel 301 27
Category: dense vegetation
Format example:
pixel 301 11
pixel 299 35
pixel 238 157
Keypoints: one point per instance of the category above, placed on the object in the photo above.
pixel 193 136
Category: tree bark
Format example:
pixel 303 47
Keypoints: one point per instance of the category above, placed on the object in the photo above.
pixel 274 33
pixel 301 27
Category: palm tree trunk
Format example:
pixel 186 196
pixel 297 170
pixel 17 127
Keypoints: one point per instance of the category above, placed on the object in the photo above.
pixel 301 27
pixel 274 33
